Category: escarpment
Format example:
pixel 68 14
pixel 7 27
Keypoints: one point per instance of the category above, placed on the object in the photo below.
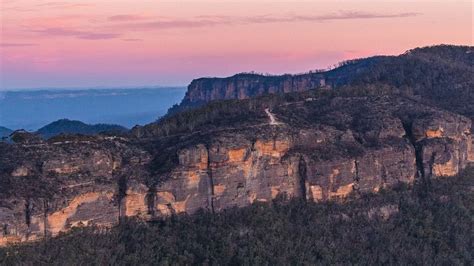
pixel 316 149
pixel 242 86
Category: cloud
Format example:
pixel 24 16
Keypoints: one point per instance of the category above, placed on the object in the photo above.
pixel 118 25
pixel 132 40
pixel 170 24
pixel 80 34
pixel 355 15
pixel 62 5
pixel 17 44
pixel 209 21
pixel 127 18
pixel 41 6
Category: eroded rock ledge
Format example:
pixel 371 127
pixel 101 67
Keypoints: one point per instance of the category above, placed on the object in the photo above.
pixel 319 150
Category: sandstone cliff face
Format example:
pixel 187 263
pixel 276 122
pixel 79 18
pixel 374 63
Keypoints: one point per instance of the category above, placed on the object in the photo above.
pixel 50 187
pixel 319 150
pixel 444 143
pixel 391 142
pixel 244 86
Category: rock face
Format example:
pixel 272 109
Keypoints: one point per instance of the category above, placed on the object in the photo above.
pixel 50 187
pixel 444 143
pixel 318 149
pixel 242 86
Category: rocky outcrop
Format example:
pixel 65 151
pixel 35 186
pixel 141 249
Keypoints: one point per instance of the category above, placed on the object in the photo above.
pixel 50 187
pixel 444 143
pixel 323 149
pixel 243 86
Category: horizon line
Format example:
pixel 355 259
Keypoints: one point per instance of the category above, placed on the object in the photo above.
pixel 79 88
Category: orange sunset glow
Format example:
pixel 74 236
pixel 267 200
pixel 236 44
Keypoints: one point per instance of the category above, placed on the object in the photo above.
pixel 131 43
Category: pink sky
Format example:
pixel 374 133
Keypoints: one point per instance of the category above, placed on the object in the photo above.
pixel 131 42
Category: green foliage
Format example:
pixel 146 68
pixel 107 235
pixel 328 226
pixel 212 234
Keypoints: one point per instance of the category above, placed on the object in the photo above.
pixel 435 229
pixel 439 75
pixel 209 117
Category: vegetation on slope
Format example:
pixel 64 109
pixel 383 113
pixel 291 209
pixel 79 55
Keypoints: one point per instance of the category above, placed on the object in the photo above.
pixel 432 225
pixel 240 113
pixel 441 75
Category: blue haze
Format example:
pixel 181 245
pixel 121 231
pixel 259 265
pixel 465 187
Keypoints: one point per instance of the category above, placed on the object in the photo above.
pixel 33 109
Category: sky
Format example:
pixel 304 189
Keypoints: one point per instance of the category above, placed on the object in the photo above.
pixel 100 43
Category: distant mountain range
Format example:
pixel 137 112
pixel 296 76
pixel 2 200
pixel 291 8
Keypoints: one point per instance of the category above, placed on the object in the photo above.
pixel 66 126
pixel 32 109
pixel 5 132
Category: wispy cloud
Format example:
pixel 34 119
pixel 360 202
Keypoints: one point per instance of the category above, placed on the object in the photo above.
pixel 135 22
pixel 170 24
pixel 127 18
pixel 62 5
pixel 17 44
pixel 118 26
pixel 356 15
pixel 80 34
pixel 132 40
pixel 10 6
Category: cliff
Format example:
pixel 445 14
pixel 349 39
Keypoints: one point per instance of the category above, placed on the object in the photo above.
pixel 243 86
pixel 318 149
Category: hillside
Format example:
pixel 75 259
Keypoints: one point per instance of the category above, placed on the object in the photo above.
pixel 440 75
pixel 65 126
pixel 398 226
